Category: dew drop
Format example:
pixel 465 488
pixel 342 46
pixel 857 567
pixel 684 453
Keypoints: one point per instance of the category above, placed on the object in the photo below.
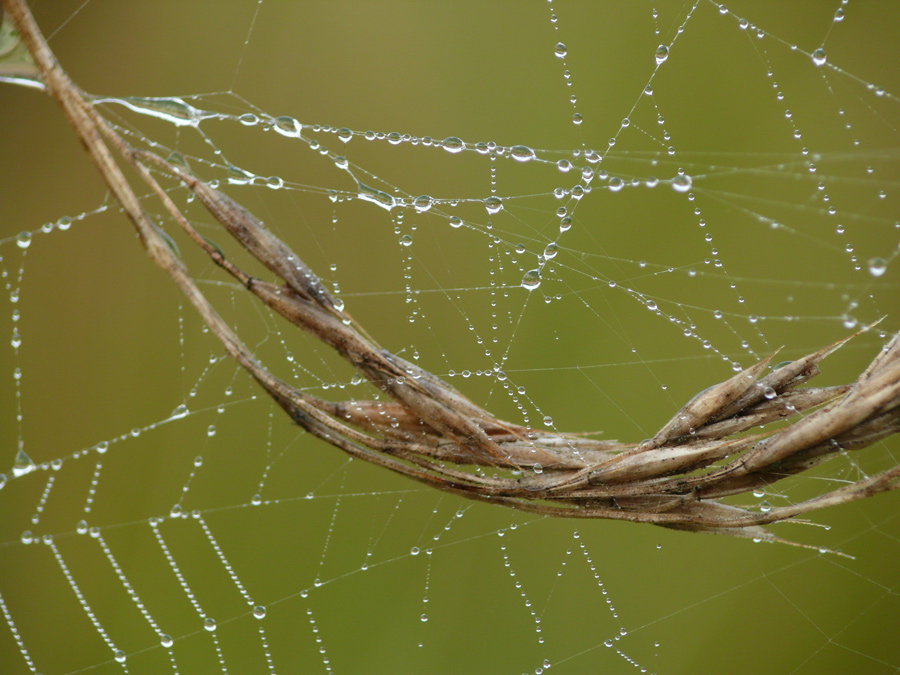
pixel 120 656
pixel 287 126
pixel 493 205
pixel 551 250
pixel 22 464
pixel 662 53
pixel 531 280
pixel 560 50
pixel 259 612
pixel 521 153
pixel 377 197
pixel 23 240
pixel 166 640
pixel 818 57
pixel 453 145
pixel 422 203
pixel 877 266
pixel 682 183
pixel 455 222
pixel 209 624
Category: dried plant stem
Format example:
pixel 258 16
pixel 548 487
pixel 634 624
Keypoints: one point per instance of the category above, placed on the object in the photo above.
pixel 432 433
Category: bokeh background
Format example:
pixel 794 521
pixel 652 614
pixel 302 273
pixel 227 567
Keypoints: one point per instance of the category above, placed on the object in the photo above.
pixel 109 347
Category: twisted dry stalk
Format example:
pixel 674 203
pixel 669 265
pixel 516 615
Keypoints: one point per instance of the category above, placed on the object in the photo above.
pixel 432 433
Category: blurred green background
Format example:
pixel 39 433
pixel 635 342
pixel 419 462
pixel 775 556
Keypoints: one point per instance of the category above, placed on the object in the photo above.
pixel 109 346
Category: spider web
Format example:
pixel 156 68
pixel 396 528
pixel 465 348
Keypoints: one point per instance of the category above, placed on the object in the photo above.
pixel 578 214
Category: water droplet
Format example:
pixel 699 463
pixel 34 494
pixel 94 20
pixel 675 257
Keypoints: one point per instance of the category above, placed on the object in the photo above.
pixel 22 464
pixel 453 145
pixel 377 197
pixel 531 279
pixel 455 221
pixel 238 176
pixel 548 421
pixel 560 50
pixel 877 266
pixel 259 612
pixel 493 205
pixel 537 468
pixel 424 618
pixel 344 134
pixel 23 240
pixel 209 624
pixel 120 656
pixel 769 393
pixel 166 640
pixel 406 240
pixel 521 153
pixel 287 126
pixel 818 57
pixel 682 183
pixel 422 203
pixel 179 412
pixel 551 250
pixel 173 110
pixel 662 53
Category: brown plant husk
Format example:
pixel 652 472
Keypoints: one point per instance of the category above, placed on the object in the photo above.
pixel 430 432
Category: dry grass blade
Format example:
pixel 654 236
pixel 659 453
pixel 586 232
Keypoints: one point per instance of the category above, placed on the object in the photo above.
pixel 432 433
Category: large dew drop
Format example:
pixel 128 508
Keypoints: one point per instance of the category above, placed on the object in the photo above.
pixel 662 53
pixel 382 199
pixel 287 126
pixel 453 145
pixel 422 203
pixel 531 280
pixel 22 464
pixel 877 266
pixel 521 153
pixel 818 57
pixel 682 183
pixel 493 205
pixel 172 110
